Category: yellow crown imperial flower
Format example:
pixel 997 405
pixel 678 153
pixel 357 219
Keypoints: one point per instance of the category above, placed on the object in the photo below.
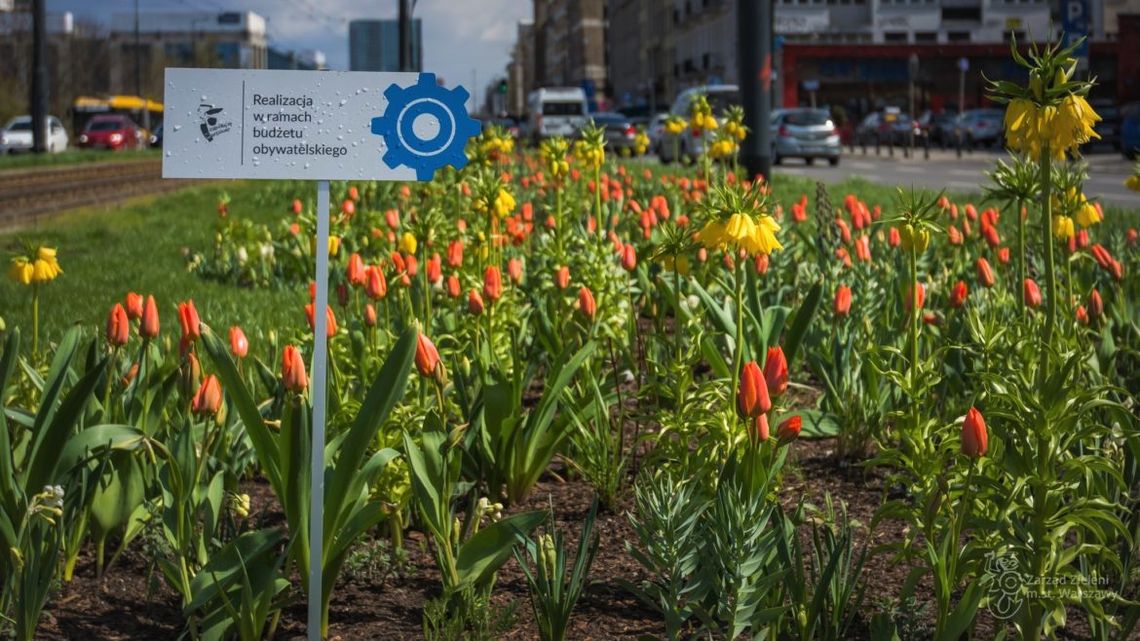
pixel 1063 227
pixel 674 125
pixel 504 203
pixel 1133 182
pixel 1088 215
pixel 20 270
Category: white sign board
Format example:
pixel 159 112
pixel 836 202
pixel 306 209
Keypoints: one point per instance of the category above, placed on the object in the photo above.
pixel 253 123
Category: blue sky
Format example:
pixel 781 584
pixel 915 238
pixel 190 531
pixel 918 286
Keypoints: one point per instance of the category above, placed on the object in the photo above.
pixel 460 36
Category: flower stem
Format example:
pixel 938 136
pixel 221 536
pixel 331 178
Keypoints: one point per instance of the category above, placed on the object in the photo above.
pixel 1020 204
pixel 1050 268
pixel 35 319
pixel 739 345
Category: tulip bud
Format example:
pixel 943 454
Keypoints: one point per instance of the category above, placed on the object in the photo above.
pixel 975 440
pixel 240 504
pixel 1096 306
pixel 586 304
pixel 629 257
pixel 239 345
pixel 330 320
pixel 208 400
pixel 752 396
pixel 789 430
pixel 1032 293
pixel 134 306
pixel 763 433
pixel 427 357
pixel 985 273
pixel 455 253
pixel 515 270
pixel 118 326
pixel 297 207
pixel 369 315
pixel 375 285
pixel 958 294
pixel 474 303
pixel 453 286
pixel 776 371
pixel 188 319
pixel 916 297
pixel 492 283
pixel 842 304
pixel 562 277
pixel 148 328
pixel 293 370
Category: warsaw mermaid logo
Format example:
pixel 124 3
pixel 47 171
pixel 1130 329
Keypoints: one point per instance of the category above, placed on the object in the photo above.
pixel 1006 586
pixel 212 122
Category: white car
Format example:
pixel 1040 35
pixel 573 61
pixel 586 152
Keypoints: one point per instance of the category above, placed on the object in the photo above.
pixel 17 135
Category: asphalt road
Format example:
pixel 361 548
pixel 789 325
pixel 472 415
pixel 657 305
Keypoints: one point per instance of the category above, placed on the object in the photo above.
pixel 944 169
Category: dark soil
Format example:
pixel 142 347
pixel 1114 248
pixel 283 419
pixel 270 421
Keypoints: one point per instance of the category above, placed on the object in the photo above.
pixel 131 604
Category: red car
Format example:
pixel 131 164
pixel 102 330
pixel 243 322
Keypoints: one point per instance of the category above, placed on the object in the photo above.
pixel 112 132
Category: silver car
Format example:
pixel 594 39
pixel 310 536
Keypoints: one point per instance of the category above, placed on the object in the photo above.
pixel 804 133
pixel 720 97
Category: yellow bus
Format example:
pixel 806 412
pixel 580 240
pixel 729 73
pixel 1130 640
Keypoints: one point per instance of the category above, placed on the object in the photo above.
pixel 145 112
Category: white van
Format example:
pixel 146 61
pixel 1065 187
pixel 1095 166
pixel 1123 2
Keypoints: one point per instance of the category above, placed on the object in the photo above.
pixel 556 111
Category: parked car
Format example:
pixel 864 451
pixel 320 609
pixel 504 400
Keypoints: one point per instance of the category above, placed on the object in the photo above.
pixel 939 127
pixel 887 127
pixel 656 132
pixel 982 127
pixel 720 98
pixel 620 130
pixel 156 137
pixel 556 111
pixel 1130 130
pixel 112 132
pixel 16 136
pixel 804 133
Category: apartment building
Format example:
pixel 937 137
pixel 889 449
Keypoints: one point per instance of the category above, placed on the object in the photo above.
pixel 640 44
pixel 570 46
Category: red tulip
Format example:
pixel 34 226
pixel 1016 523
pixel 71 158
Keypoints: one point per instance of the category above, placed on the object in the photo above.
pixel 586 304
pixel 208 400
pixel 375 285
pixel 427 357
pixel 492 283
pixel 297 206
pixel 353 193
pixel 455 253
pixel 1082 315
pixel 916 297
pixel 411 265
pixel 752 396
pixel 991 235
pixel 1132 236
pixel 1096 306
pixel 894 239
pixel 369 315
pixel 134 306
pixel 975 440
pixel 842 304
pixel 434 269
pixel 515 270
pixel 188 318
pixel 958 294
pixel 330 319
pixel 392 218
pixel 1003 255
pixel 239 344
pixel 453 286
pixel 348 207
pixel 474 302
pixel 629 257
pixel 1101 256
pixel 149 326
pixel 985 273
pixel 355 271
pixel 1032 293
pixel 776 371
pixel 789 429
pixel 293 370
pixel 562 277
pixel 118 326
pixel 762 430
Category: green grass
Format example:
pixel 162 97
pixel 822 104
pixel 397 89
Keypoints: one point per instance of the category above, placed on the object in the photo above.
pixel 106 252
pixel 73 157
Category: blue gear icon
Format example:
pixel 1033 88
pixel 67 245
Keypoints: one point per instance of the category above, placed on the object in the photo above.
pixel 405 146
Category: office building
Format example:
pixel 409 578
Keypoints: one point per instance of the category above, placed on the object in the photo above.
pixel 374 45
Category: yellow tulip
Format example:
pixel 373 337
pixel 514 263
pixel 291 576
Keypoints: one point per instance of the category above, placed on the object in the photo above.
pixel 408 243
pixel 334 245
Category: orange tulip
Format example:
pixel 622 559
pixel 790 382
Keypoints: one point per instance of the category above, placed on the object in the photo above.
pixel 562 277
pixel 330 319
pixel 453 286
pixel 628 257
pixel 975 440
pixel 492 283
pixel 370 315
pixel 434 269
pixel 762 429
pixel 134 306
pixel 148 328
pixel 515 270
pixel 916 297
pixel 958 294
pixel 776 371
pixel 894 239
pixel 188 318
pixel 455 253
pixel 375 285
pixel 842 304
pixel 293 370
pixel 118 326
pixel 356 272
pixel 427 357
pixel 474 303
pixel 239 344
pixel 586 304
pixel 1096 306
pixel 985 273
pixel 1082 315
pixel 208 400
pixel 1032 293
pixel 752 396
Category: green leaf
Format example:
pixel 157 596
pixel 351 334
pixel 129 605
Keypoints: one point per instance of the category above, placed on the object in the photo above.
pixel 800 323
pixel 44 456
pixel 225 566
pixel 483 554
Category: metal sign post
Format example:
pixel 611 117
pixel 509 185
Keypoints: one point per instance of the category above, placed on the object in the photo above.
pixel 226 123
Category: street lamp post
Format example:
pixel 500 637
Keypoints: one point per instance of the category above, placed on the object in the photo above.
pixel 754 35
pixel 39 97
pixel 912 73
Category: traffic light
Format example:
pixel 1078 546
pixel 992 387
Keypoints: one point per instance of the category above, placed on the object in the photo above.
pixel 502 86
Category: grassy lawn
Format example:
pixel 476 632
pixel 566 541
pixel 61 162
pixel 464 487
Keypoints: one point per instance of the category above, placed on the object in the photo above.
pixel 106 252
pixel 73 157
